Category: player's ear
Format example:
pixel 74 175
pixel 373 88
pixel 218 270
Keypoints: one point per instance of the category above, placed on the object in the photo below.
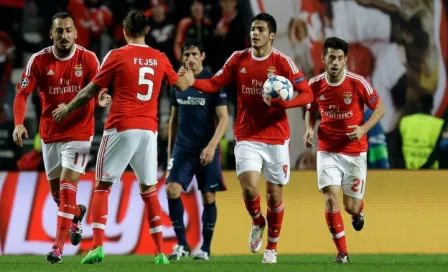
pixel 272 36
pixel 322 55
pixel 51 35
pixel 203 56
pixel 147 30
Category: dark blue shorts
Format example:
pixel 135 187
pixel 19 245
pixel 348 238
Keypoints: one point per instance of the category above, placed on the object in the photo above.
pixel 185 165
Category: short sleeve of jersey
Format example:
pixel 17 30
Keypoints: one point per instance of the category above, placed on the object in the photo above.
pixel 94 65
pixel 313 106
pixel 369 95
pixel 220 98
pixel 107 69
pixel 291 72
pixel 173 99
pixel 170 75
pixel 28 81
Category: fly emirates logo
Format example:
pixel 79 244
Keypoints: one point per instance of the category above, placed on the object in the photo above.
pixel 65 87
pixel 256 88
pixel 334 113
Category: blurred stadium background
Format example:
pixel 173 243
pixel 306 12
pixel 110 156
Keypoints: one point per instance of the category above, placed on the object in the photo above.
pixel 405 209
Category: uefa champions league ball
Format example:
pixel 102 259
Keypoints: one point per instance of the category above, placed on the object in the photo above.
pixel 278 87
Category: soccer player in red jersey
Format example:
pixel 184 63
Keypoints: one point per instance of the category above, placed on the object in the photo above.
pixel 60 72
pixel 342 138
pixel 261 129
pixel 130 132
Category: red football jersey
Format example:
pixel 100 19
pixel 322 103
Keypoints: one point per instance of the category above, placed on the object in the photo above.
pixel 256 121
pixel 59 80
pixel 341 105
pixel 137 72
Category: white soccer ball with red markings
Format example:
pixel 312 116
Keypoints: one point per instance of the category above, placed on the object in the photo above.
pixel 278 87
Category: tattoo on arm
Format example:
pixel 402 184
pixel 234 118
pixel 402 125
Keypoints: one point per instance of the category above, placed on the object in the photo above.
pixel 84 96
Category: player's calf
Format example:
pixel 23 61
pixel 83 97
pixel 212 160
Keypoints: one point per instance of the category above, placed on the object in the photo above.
pixel 148 194
pixel 176 212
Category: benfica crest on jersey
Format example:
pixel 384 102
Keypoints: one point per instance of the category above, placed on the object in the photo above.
pixel 347 97
pixel 271 71
pixel 78 70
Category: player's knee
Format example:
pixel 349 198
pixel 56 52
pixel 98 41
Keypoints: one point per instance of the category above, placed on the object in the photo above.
pixel 70 175
pixel 249 192
pixel 173 190
pixel 102 185
pixel 147 188
pixel 209 197
pixel 331 202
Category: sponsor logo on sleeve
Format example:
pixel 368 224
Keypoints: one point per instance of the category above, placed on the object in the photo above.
pixel 299 79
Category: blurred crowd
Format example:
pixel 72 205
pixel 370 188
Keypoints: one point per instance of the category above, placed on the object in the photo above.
pixel 222 26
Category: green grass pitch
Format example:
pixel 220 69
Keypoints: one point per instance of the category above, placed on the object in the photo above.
pixel 359 263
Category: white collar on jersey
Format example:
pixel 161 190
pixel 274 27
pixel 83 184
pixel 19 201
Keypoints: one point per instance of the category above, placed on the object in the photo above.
pixel 140 45
pixel 337 83
pixel 66 58
pixel 260 58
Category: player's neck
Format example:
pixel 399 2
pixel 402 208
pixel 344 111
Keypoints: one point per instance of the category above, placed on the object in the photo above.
pixel 262 51
pixel 63 55
pixel 139 41
pixel 336 80
pixel 198 71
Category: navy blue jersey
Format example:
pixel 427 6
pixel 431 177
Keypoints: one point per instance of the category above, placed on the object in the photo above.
pixel 196 116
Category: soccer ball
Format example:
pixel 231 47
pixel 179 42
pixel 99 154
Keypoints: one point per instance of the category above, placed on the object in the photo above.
pixel 278 87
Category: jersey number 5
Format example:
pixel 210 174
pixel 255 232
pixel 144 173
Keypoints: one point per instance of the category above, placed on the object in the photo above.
pixel 143 81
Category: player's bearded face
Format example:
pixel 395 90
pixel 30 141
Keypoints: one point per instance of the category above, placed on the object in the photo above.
pixel 334 60
pixel 192 58
pixel 259 34
pixel 63 33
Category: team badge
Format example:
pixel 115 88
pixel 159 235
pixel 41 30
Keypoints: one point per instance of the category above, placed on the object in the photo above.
pixel 24 82
pixel 348 98
pixel 78 70
pixel 271 71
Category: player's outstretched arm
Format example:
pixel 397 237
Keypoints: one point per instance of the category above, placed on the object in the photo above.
pixel 203 85
pixel 207 85
pixel 82 98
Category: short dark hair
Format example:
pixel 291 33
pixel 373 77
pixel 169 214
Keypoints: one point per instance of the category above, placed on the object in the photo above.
pixel 336 43
pixel 62 15
pixel 193 43
pixel 135 22
pixel 269 19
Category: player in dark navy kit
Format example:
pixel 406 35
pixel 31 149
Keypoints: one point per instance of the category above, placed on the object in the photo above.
pixel 198 122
